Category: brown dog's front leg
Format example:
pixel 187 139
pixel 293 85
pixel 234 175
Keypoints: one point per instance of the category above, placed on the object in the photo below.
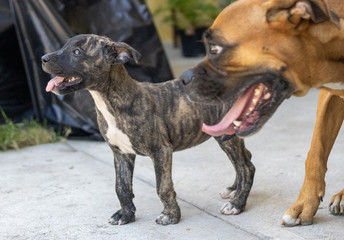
pixel 241 160
pixel 162 160
pixel 124 166
pixel 330 114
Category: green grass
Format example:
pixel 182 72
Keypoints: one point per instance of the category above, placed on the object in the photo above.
pixel 28 133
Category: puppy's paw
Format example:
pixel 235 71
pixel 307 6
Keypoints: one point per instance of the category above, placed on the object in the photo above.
pixel 120 217
pixel 229 209
pixel 168 218
pixel 336 206
pixel 227 193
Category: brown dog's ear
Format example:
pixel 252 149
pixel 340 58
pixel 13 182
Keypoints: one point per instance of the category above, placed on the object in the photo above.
pixel 335 10
pixel 316 11
pixel 119 52
pixel 308 10
pixel 319 10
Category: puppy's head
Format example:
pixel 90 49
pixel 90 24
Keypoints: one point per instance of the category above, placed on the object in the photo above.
pixel 84 61
pixel 260 52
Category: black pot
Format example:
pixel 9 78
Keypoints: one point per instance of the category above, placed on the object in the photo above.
pixel 192 45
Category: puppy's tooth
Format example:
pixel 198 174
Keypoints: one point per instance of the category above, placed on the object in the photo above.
pixel 255 100
pixel 237 123
pixel 257 91
pixel 251 109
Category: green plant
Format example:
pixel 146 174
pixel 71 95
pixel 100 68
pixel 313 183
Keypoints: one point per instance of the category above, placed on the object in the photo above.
pixel 27 133
pixel 190 13
pixel 225 3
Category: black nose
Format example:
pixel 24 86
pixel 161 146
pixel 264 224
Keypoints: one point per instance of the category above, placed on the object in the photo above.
pixel 187 77
pixel 45 59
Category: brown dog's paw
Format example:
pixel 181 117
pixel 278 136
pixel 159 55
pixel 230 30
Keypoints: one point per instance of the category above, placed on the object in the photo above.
pixel 121 218
pixel 229 209
pixel 303 210
pixel 228 193
pixel 336 205
pixel 301 213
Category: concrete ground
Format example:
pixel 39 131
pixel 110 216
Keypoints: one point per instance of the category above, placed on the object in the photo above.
pixel 66 190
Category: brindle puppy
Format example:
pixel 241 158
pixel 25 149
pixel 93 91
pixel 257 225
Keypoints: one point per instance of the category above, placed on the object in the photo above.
pixel 143 118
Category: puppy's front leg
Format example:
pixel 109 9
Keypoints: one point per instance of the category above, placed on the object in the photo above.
pixel 162 160
pixel 124 166
pixel 241 160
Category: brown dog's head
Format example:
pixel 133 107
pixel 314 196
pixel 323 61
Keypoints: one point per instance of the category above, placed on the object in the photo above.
pixel 261 52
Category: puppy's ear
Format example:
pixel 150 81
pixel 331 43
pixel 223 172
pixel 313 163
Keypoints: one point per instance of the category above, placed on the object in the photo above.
pixel 119 52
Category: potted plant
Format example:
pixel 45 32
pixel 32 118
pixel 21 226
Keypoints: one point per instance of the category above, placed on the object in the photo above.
pixel 190 18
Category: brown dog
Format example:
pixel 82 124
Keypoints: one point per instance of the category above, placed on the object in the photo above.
pixel 260 52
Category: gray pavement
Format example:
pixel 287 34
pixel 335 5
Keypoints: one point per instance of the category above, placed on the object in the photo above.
pixel 66 190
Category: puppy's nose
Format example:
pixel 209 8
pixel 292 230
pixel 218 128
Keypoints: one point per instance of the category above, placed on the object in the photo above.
pixel 45 59
pixel 187 77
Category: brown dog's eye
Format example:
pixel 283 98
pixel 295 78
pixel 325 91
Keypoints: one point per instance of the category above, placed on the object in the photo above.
pixel 77 52
pixel 214 49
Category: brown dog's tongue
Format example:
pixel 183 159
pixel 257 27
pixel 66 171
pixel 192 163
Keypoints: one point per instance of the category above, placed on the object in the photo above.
pixel 53 82
pixel 226 126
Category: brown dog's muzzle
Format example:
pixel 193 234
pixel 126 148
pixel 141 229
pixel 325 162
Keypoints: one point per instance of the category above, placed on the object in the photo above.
pixel 187 77
pixel 252 96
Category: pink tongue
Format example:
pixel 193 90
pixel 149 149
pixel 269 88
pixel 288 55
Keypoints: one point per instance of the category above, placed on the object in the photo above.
pixel 53 82
pixel 225 126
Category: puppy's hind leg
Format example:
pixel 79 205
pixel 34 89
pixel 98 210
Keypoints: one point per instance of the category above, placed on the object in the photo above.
pixel 241 160
pixel 162 160
pixel 124 166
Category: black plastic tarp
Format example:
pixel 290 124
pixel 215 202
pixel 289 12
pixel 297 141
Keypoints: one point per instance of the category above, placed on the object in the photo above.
pixel 44 26
pixel 14 95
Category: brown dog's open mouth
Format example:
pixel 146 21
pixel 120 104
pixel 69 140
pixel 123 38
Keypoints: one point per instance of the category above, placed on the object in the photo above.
pixel 62 82
pixel 246 111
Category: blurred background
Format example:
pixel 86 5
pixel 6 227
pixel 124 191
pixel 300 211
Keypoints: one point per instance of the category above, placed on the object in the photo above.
pixel 168 34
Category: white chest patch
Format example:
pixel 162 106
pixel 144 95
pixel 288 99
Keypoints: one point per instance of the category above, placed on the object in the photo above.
pixel 114 135
pixel 335 86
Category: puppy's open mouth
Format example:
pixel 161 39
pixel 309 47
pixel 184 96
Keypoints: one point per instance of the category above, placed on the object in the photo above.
pixel 62 82
pixel 252 109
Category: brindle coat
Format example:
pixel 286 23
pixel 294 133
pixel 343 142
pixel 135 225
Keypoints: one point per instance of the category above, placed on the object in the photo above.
pixel 147 119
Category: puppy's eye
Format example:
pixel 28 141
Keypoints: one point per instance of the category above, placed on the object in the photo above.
pixel 215 49
pixel 77 52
